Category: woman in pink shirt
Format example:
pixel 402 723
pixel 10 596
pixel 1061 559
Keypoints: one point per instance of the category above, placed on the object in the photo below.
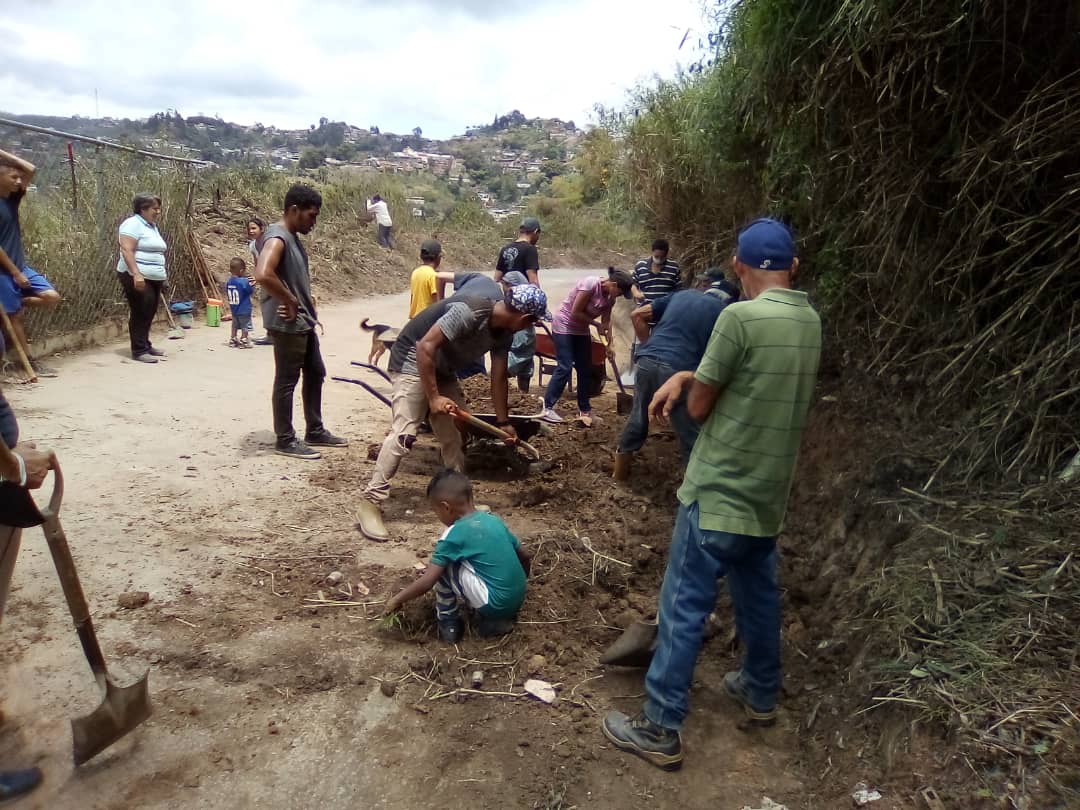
pixel 592 297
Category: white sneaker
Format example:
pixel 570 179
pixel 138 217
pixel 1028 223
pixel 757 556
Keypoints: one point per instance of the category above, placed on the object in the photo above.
pixel 549 415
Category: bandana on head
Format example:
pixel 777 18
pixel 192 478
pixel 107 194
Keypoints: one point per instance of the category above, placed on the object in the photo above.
pixel 527 299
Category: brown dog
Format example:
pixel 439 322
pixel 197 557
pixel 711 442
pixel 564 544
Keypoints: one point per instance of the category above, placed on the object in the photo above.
pixel 382 339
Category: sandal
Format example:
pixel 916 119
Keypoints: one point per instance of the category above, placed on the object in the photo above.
pixel 585 419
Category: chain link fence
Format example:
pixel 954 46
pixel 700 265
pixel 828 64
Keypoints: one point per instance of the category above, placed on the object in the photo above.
pixel 70 217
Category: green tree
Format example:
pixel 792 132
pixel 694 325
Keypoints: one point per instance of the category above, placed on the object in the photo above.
pixel 311 158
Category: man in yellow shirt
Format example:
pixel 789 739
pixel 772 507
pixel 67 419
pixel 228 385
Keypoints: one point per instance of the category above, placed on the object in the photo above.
pixel 422 282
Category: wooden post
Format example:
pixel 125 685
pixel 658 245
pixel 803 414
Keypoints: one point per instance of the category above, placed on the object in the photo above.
pixel 31 375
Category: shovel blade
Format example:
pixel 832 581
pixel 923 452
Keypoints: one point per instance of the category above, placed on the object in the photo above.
pixel 624 403
pixel 634 648
pixel 123 708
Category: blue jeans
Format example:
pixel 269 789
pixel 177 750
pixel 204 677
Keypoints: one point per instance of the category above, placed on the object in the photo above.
pixel 650 375
pixel 697 559
pixel 571 352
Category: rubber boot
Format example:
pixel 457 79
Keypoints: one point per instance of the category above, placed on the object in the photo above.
pixel 370 520
pixel 622 466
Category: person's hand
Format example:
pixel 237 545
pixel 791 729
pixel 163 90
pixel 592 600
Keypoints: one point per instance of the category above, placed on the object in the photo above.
pixel 38 463
pixel 139 281
pixel 392 605
pixel 443 404
pixel 610 353
pixel 21 280
pixel 288 311
pixel 668 394
pixel 511 434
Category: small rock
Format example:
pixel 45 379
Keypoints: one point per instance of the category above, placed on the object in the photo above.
pixel 133 599
pixel 477 679
pixel 388 688
pixel 536 664
pixel 334 577
pixel 563 750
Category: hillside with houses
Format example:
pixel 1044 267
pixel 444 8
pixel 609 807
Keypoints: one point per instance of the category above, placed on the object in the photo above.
pixel 501 163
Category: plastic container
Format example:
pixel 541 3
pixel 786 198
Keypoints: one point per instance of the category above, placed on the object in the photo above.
pixel 213 312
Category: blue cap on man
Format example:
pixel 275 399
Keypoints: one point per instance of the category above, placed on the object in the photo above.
pixel 766 244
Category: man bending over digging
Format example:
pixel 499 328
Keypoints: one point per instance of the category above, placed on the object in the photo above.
pixel 477 561
pixel 447 336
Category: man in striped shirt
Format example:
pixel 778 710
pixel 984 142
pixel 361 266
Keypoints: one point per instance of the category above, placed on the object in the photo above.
pixel 751 394
pixel 654 278
pixel 657 276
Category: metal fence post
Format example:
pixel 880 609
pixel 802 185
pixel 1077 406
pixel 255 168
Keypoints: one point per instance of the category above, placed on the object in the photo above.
pixel 99 178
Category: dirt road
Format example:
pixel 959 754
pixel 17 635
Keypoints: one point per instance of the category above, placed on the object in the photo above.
pixel 265 699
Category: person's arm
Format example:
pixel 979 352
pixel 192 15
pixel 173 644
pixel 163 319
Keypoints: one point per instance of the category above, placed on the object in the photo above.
pixel 532 266
pixel 27 168
pixel 500 393
pixel 605 330
pixel 421 586
pixel 579 309
pixel 128 245
pixel 442 278
pixel 16 273
pixel 525 559
pixel 266 274
pixel 640 319
pixel 426 349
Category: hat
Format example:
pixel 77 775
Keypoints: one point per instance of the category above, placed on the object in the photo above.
pixel 724 290
pixel 767 245
pixel 514 278
pixel 530 225
pixel 527 299
pixel 623 279
pixel 430 249
pixel 715 273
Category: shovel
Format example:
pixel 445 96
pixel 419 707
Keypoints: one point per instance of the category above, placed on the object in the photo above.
pixel 123 707
pixel 624 402
pixel 174 332
pixel 634 648
pixel 491 430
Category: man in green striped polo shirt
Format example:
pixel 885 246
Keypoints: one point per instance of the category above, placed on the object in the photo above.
pixel 751 393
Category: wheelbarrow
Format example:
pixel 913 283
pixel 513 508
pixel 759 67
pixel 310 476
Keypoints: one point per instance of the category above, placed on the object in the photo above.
pixel 545 350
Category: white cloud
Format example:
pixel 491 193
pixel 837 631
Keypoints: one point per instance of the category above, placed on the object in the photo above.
pixel 437 65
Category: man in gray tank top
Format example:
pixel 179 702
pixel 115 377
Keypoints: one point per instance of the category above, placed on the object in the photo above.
pixel 290 318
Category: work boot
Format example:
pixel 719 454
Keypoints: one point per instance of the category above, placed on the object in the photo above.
pixel 16 783
pixel 639 735
pixel 451 630
pixel 155 352
pixel 735 688
pixel 144 358
pixel 370 521
pixel 621 472
pixel 324 438
pixel 491 627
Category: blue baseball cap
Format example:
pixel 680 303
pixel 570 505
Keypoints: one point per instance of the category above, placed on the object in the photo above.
pixel 766 244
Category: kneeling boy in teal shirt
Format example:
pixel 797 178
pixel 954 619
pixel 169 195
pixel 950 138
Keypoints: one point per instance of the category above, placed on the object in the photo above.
pixel 477 561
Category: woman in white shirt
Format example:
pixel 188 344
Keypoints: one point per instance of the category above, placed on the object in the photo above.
pixel 142 272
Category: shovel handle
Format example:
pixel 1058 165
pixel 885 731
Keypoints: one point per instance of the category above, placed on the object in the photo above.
pixel 69 578
pixel 491 430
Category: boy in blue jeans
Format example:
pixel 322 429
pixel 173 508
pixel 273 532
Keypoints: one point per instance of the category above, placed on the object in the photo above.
pixel 477 561
pixel 239 289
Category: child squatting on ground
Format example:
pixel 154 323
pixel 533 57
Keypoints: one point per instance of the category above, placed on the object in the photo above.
pixel 239 289
pixel 477 561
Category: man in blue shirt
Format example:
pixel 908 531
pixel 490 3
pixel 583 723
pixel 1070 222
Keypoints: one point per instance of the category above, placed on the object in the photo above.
pixel 683 324
pixel 20 284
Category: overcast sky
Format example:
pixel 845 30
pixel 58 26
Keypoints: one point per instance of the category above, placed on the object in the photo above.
pixel 438 64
